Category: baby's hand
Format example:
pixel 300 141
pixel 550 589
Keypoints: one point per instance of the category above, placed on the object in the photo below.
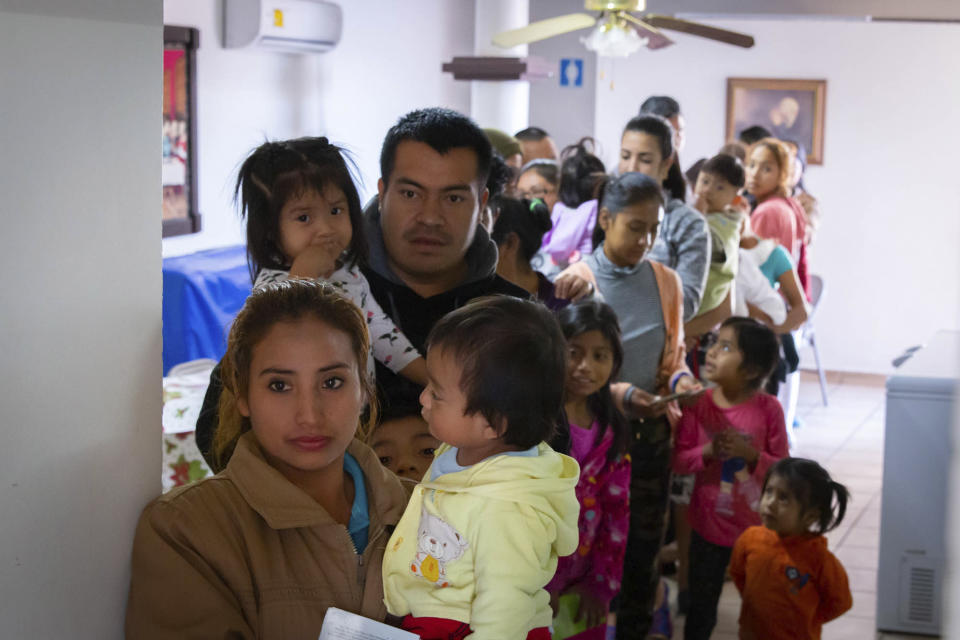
pixel 318 260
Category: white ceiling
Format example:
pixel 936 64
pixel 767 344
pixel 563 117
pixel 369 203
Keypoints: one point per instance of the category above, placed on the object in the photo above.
pixel 922 9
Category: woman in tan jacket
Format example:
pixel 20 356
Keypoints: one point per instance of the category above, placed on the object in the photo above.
pixel 298 520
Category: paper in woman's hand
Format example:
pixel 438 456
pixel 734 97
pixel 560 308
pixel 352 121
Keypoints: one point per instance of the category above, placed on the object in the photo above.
pixel 343 625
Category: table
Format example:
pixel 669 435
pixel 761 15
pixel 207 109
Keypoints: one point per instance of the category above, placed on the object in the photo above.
pixel 202 293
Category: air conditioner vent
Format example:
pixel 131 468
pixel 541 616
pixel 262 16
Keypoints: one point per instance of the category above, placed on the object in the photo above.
pixel 922 592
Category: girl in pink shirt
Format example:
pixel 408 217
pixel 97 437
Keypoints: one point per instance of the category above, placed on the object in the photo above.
pixel 729 439
pixel 599 433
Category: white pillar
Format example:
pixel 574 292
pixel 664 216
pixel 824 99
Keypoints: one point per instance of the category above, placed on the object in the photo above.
pixel 502 104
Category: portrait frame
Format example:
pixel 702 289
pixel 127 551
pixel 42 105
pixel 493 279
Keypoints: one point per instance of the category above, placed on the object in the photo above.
pixel 179 160
pixel 790 109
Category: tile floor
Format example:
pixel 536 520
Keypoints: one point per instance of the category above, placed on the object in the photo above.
pixel 847 438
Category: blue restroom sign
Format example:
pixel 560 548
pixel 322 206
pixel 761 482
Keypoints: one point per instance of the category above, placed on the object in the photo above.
pixel 571 72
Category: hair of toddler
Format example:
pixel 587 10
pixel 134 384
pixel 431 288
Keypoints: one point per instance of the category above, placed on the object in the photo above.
pixel 274 173
pixel 285 301
pixel 512 362
pixel 736 149
pixel 590 315
pixel 814 489
pixel 759 346
pixel 727 167
pixel 580 173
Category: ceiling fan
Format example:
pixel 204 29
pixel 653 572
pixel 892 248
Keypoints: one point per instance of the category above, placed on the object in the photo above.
pixel 616 31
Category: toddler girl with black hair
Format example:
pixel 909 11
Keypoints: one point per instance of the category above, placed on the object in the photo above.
pixel 304 220
pixel 789 581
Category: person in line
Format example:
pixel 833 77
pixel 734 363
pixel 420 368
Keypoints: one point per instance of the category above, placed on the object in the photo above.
pixel 729 439
pixel 574 216
pixel 506 146
pixel 777 216
pixel 718 184
pixel 648 300
pixel 669 109
pixel 536 143
pixel 587 581
pixel 789 582
pixel 540 180
pixel 683 241
pixel 403 442
pixel 518 233
pixel 299 519
pixel 482 533
pixel 798 191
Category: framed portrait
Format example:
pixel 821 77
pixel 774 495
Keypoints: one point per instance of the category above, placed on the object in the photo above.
pixel 179 164
pixel 791 110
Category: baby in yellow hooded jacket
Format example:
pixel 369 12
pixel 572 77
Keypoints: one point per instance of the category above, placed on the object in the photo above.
pixel 481 535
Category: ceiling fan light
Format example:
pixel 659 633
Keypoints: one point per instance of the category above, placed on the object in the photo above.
pixel 613 38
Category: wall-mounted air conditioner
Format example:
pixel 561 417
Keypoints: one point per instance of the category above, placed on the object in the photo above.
pixel 292 26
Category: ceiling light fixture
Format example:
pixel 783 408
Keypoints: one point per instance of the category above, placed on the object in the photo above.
pixel 613 37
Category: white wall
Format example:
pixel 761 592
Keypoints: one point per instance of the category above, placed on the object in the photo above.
pixel 566 113
pixel 888 187
pixel 387 63
pixel 80 328
pixel 244 97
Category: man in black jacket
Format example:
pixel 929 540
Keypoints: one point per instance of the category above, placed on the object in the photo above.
pixel 428 255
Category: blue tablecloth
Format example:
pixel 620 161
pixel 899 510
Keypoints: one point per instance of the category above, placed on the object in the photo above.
pixel 202 293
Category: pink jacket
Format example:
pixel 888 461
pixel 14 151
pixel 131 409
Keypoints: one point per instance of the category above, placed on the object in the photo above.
pixel 571 237
pixel 760 418
pixel 604 494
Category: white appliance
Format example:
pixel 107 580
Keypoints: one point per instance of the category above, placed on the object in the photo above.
pixel 916 470
pixel 291 26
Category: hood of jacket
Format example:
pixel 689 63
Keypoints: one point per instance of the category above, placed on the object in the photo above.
pixel 546 482
pixel 481 256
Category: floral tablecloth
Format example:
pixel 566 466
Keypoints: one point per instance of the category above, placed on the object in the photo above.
pixel 182 399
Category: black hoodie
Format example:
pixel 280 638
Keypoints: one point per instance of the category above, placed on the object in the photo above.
pixel 415 316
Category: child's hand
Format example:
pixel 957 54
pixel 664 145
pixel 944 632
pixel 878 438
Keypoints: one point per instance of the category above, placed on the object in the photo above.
pixel 592 609
pixel 687 384
pixel 318 260
pixel 733 444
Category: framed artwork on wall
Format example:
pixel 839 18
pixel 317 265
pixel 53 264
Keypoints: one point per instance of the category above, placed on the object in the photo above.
pixel 179 165
pixel 790 109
